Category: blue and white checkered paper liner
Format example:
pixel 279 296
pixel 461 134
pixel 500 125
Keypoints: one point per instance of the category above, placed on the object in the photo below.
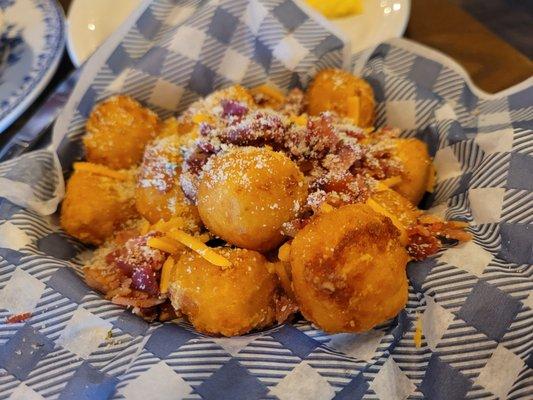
pixel 475 300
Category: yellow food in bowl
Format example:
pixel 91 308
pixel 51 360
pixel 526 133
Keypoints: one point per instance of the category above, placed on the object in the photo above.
pixel 337 8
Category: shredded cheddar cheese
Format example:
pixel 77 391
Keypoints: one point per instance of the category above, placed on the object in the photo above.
pixel 418 332
pixel 166 226
pixel 284 252
pixel 326 208
pixel 337 8
pixel 165 244
pixel 396 222
pixel 392 181
pixel 166 273
pixel 300 120
pixel 386 184
pixel 196 245
pixel 269 92
pixel 101 170
pixel 199 118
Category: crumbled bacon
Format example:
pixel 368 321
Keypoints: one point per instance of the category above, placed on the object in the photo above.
pixel 145 279
pixel 233 108
pixel 327 149
pixel 294 103
pixel 139 262
pixel 16 318
pixel 421 243
pixel 285 307
pixel 431 233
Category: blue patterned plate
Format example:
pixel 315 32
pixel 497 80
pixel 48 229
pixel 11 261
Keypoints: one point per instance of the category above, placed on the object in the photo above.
pixel 31 44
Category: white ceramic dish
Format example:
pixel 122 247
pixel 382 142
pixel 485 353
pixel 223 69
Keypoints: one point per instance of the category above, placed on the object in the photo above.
pixel 380 20
pixel 90 22
pixel 33 38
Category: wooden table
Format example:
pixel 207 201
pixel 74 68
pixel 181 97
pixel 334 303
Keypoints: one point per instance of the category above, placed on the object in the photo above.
pixel 492 62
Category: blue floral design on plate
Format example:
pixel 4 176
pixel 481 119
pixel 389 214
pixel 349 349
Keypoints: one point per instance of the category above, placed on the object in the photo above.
pixel 31 45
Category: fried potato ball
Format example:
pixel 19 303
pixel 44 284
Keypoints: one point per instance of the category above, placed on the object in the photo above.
pixel 341 92
pixel 246 194
pixel 397 205
pixel 176 126
pixel 118 129
pixel 234 92
pixel 267 96
pixel 96 206
pixel 230 301
pixel 348 269
pixel 416 168
pixel 158 195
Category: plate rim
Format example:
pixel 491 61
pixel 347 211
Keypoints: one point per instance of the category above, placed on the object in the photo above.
pixel 24 100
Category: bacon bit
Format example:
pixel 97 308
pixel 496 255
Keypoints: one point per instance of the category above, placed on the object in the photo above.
pixel 167 312
pixel 136 302
pixel 418 332
pixel 124 235
pixel 232 108
pixel 145 279
pixel 139 262
pixel 428 219
pixel 97 169
pixel 428 236
pixel 16 318
pixel 285 307
pixel 201 248
pixel 350 189
pixel 421 244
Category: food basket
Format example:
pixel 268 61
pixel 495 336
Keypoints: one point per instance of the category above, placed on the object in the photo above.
pixel 473 301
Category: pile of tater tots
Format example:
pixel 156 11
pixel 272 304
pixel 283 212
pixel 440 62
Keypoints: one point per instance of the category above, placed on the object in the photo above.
pixel 254 207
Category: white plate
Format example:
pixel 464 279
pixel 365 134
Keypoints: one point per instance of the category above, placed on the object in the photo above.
pixel 380 20
pixel 90 22
pixel 35 31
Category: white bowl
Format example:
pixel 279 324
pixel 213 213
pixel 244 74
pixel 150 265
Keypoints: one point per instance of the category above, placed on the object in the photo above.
pixel 380 20
pixel 90 22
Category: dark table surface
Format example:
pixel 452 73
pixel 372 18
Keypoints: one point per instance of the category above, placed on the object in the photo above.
pixel 491 39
